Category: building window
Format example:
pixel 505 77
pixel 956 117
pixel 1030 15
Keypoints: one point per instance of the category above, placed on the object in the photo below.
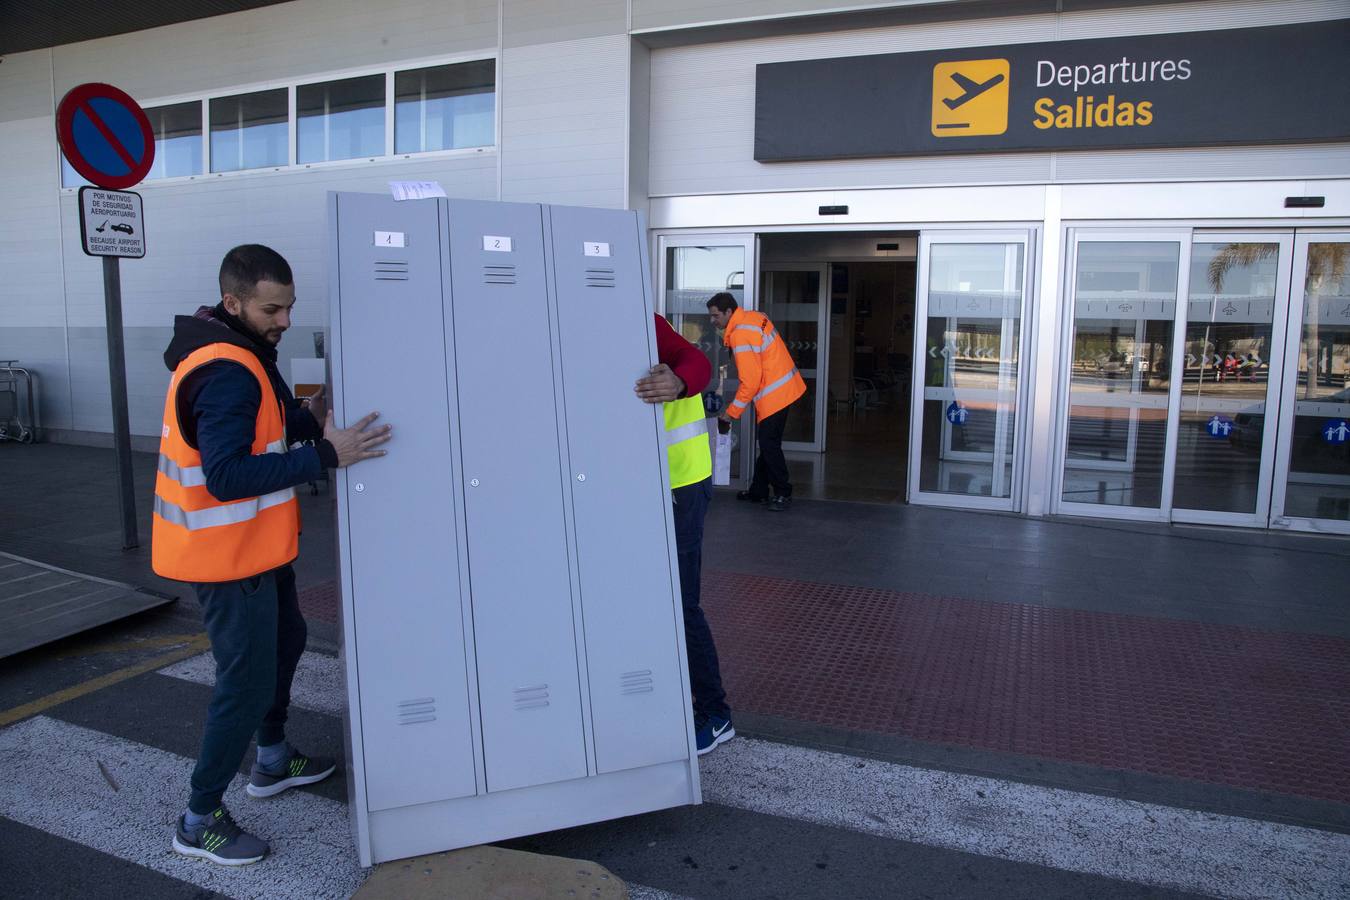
pixel 340 119
pixel 249 131
pixel 445 107
pixel 178 139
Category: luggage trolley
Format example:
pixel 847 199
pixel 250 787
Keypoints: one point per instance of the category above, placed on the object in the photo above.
pixel 12 427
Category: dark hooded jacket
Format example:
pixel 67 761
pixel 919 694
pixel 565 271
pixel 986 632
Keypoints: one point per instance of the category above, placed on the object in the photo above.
pixel 218 411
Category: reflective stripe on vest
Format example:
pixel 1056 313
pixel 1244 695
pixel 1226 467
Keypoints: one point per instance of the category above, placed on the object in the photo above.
pixel 769 389
pixel 193 476
pixel 197 537
pixel 687 450
pixel 213 516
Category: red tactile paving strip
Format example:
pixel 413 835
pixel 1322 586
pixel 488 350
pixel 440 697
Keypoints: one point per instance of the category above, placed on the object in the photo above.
pixel 1260 710
pixel 320 601
pixel 1255 709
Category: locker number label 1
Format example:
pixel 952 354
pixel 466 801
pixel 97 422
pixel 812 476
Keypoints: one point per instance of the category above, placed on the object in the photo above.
pixel 390 239
pixel 592 248
pixel 496 243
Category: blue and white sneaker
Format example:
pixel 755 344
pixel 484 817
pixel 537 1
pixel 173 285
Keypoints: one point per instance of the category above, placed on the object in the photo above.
pixel 709 731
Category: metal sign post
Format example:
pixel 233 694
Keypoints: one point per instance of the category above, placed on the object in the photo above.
pixel 107 138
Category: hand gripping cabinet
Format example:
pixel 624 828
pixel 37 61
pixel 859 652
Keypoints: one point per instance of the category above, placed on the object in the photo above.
pixel 512 630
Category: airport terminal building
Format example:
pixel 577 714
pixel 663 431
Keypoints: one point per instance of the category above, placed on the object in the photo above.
pixel 1048 257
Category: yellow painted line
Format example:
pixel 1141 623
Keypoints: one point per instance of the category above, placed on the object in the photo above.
pixel 194 646
pixel 153 643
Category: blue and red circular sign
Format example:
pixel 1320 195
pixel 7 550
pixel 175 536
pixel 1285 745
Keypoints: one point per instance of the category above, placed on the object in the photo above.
pixel 105 135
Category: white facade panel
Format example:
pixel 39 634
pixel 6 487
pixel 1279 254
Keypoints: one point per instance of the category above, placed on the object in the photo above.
pixel 703 109
pixel 275 43
pixel 26 86
pixel 578 88
pixel 526 22
pixel 30 227
pixel 674 13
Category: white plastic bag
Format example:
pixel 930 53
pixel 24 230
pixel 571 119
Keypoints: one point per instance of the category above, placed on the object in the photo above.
pixel 722 447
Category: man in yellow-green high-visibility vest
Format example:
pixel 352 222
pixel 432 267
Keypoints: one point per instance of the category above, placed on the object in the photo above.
pixel 677 382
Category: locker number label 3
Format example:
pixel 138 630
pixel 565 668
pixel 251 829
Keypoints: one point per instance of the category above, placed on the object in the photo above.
pixel 593 248
pixel 496 243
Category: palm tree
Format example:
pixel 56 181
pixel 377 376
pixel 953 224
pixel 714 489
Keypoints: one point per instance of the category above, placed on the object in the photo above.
pixel 1326 262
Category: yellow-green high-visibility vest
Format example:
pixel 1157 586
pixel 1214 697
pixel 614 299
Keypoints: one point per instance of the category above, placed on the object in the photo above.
pixel 687 450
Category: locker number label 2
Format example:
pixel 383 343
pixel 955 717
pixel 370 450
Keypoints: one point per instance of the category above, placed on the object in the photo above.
pixel 496 243
pixel 593 248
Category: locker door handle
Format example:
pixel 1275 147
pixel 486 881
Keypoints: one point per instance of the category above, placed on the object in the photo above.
pixel 581 477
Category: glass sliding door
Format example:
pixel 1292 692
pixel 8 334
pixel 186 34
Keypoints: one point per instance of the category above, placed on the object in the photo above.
pixel 1122 291
pixel 793 297
pixel 1235 314
pixel 1312 466
pixel 692 269
pixel 965 446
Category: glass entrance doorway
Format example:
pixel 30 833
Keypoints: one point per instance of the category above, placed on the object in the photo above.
pixel 966 441
pixel 1206 376
pixel 793 297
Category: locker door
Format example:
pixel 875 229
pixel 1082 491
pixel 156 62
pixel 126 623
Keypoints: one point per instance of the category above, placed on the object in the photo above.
pixel 522 599
pixel 397 512
pixel 627 589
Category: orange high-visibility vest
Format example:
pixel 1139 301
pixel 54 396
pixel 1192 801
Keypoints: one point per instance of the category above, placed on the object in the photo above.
pixel 769 377
pixel 199 538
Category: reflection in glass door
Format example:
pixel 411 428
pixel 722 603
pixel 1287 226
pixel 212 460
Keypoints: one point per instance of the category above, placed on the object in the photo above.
pixel 965 445
pixel 693 268
pixel 1123 290
pixel 1312 471
pixel 793 297
pixel 1231 363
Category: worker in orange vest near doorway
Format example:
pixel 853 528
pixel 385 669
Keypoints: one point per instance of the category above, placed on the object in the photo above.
pixel 227 521
pixel 770 380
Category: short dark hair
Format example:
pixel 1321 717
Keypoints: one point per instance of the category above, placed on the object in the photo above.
pixel 248 264
pixel 723 301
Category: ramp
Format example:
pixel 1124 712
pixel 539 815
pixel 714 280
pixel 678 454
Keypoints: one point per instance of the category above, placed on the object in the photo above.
pixel 41 603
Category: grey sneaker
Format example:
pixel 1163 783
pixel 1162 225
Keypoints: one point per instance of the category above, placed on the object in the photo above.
pixel 220 840
pixel 298 769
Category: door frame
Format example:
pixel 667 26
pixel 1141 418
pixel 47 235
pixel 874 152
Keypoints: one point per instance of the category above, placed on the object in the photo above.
pixel 1260 517
pixel 1074 235
pixel 1027 238
pixel 749 243
pixel 1288 405
pixel 822 370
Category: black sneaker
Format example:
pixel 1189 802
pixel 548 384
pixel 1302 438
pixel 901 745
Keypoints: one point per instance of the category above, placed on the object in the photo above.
pixel 219 840
pixel 751 498
pixel 780 504
pixel 709 731
pixel 298 769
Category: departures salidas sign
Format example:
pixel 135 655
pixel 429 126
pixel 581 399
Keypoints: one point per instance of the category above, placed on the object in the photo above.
pixel 1281 84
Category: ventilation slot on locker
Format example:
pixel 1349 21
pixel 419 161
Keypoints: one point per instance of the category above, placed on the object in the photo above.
pixel 499 274
pixel 600 278
pixel 391 270
pixel 639 682
pixel 414 712
pixel 532 697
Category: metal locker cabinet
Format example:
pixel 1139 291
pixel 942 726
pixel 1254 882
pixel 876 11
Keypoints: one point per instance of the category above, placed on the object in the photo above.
pixel 524 635
pixel 404 632
pixel 629 584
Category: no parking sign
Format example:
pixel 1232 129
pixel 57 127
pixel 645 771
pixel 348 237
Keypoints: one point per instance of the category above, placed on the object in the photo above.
pixel 105 135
